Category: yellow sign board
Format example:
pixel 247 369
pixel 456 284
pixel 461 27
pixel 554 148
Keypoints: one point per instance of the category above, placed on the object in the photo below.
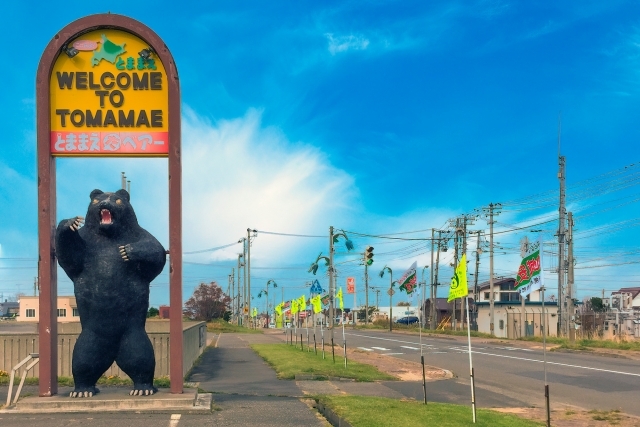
pixel 109 97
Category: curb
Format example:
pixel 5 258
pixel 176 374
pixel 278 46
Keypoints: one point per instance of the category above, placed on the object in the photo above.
pixel 333 418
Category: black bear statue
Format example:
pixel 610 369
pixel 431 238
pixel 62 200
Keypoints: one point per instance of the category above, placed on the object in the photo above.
pixel 111 261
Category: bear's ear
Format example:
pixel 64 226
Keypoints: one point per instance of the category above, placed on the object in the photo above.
pixel 95 193
pixel 123 194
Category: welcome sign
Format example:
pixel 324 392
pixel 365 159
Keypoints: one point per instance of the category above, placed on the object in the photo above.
pixel 109 99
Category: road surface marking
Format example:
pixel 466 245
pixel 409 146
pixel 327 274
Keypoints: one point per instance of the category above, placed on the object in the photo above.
pixel 390 354
pixel 175 419
pixel 380 348
pixel 410 348
pixel 513 357
pixel 365 348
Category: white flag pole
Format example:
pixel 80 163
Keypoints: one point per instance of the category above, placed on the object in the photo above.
pixel 473 387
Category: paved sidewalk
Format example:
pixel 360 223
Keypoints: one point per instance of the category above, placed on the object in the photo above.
pixel 246 389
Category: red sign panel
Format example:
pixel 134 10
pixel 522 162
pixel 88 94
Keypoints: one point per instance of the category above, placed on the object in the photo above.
pixel 112 143
pixel 351 285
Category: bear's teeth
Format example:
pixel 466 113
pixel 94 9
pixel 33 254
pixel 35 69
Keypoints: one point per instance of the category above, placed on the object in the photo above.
pixel 105 216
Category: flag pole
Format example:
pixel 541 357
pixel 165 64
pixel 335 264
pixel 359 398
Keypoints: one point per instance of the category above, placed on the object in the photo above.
pixel 544 358
pixel 473 387
pixel 424 379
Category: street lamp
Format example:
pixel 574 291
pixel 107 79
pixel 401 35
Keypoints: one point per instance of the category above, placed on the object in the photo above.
pixel 266 293
pixel 381 274
pixel 333 238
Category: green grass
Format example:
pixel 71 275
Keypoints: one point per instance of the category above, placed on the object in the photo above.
pixel 368 411
pixel 588 344
pixel 288 361
pixel 219 325
pixel 161 382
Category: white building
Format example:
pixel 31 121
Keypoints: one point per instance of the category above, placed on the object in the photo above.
pixel 511 319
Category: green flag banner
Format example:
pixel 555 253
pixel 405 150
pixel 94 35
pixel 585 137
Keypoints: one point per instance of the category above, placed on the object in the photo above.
pixel 294 306
pixel 317 304
pixel 278 308
pixel 408 280
pixel 339 297
pixel 459 287
pixel 529 276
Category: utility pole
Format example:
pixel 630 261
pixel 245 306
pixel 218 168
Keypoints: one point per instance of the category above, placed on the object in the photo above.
pixel 241 295
pixel 123 181
pixel 366 289
pixel 435 278
pixel 431 287
pixel 561 239
pixel 491 209
pixel 332 308
pixel 233 290
pixel 455 265
pixel 571 315
pixel 248 269
pixel 35 287
pixel 476 291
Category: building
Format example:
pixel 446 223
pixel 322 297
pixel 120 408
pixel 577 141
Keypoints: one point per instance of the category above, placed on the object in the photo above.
pixel 9 308
pixel 511 319
pixel 626 298
pixel 163 312
pixel 444 310
pixel 67 309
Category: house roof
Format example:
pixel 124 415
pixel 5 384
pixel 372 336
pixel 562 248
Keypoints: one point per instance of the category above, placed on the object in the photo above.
pixel 633 291
pixel 496 282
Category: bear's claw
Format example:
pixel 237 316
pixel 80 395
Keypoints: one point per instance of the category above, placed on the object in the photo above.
pixel 84 393
pixel 141 392
pixel 124 252
pixel 77 223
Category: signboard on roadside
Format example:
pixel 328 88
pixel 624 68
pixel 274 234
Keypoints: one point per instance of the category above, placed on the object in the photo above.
pixel 351 285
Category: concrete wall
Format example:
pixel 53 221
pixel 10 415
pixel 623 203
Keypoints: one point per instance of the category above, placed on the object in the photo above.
pixel 15 347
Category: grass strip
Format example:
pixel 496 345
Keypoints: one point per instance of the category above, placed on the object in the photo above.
pixel 288 361
pixel 586 343
pixel 220 325
pixel 367 411
pixel 415 330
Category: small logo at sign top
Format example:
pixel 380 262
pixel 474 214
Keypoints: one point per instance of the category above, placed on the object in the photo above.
pixel 85 45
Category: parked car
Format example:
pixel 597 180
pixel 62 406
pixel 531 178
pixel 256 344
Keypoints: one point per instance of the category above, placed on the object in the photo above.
pixel 407 320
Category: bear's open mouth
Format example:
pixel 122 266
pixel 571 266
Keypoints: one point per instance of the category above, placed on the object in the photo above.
pixel 105 216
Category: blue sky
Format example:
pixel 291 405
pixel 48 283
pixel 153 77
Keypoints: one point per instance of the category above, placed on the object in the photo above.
pixel 374 117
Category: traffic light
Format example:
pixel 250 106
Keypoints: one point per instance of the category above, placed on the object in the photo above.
pixel 368 255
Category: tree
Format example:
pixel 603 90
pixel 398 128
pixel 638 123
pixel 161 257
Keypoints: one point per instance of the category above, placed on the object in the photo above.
pixel 597 305
pixel 207 302
pixel 153 312
pixel 404 304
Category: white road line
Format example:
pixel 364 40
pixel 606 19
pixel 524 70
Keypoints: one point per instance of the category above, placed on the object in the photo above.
pixel 513 357
pixel 380 348
pixel 410 348
pixel 390 354
pixel 365 348
pixel 175 419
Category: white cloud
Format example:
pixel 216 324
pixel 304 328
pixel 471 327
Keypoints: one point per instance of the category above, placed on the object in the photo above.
pixel 339 44
pixel 238 174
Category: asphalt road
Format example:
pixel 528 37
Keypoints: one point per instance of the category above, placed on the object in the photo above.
pixel 517 373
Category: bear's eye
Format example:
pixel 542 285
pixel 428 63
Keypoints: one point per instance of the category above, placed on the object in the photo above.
pixel 118 202
pixel 95 201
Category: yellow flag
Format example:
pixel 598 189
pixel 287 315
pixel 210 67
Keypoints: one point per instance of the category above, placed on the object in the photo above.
pixel 459 287
pixel 302 303
pixel 278 308
pixel 339 297
pixel 317 304
pixel 294 306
